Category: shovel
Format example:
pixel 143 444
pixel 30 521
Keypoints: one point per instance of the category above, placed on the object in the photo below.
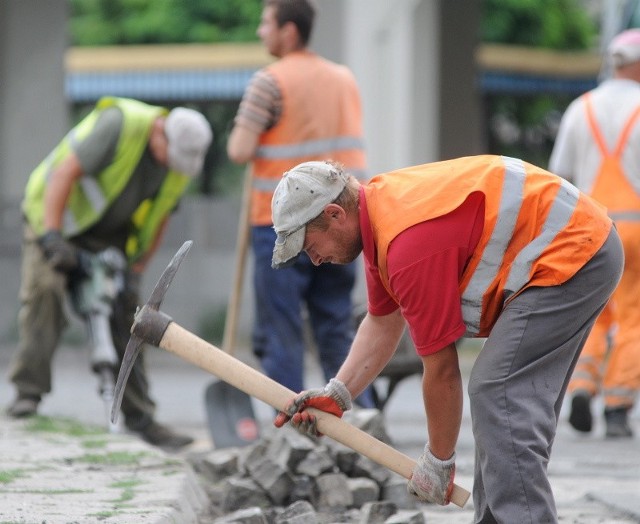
pixel 158 329
pixel 230 414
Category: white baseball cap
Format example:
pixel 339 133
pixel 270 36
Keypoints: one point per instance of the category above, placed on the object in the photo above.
pixel 301 195
pixel 189 136
pixel 625 48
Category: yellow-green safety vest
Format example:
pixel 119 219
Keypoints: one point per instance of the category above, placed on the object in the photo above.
pixel 91 196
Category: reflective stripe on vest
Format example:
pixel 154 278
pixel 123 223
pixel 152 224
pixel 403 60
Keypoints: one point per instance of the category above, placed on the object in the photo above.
pixel 309 148
pixel 487 270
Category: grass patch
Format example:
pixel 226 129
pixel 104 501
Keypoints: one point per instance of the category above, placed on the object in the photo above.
pixel 52 492
pixel 94 443
pixel 126 495
pixel 65 426
pixel 132 483
pixel 102 514
pixel 8 476
pixel 172 463
pixel 113 458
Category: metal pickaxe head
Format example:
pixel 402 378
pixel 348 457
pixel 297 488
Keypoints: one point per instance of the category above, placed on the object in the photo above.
pixel 148 326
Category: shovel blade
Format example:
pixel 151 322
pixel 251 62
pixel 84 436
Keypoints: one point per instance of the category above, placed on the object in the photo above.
pixel 230 416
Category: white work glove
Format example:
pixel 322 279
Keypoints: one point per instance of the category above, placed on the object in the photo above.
pixel 334 398
pixel 432 478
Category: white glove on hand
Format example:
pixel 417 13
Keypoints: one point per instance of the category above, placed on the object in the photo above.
pixel 432 478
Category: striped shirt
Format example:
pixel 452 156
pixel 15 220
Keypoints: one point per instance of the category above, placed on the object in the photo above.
pixel 261 104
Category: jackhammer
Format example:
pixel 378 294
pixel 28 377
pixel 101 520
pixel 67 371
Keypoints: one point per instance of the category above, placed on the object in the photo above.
pixel 93 288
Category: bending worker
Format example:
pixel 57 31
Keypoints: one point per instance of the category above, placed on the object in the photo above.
pixel 598 149
pixel 301 107
pixel 113 181
pixel 483 246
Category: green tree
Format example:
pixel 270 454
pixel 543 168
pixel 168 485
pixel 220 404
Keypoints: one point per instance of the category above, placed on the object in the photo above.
pixel 552 24
pixel 531 120
pixel 121 22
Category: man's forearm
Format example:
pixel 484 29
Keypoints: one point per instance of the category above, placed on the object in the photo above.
pixel 58 191
pixel 443 398
pixel 373 346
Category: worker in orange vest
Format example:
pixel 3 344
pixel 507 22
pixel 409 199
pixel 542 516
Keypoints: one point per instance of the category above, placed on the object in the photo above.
pixel 598 149
pixel 483 246
pixel 300 107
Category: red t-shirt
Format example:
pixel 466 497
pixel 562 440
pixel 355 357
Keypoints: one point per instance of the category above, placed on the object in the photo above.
pixel 425 263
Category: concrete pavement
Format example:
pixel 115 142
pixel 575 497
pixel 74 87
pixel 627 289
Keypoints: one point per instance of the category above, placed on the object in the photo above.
pixel 50 477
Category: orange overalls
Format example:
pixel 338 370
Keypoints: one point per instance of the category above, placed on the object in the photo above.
pixel 610 360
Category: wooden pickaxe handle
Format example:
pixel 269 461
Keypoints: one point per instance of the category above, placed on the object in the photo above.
pixel 193 349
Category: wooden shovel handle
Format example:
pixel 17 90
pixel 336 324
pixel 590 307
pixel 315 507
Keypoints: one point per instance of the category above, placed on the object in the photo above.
pixel 242 246
pixel 193 349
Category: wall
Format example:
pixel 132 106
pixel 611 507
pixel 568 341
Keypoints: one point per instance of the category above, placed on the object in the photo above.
pixel 34 112
pixel 33 117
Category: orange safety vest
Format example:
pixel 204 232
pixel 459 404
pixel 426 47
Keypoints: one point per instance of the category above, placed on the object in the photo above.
pixel 612 187
pixel 321 120
pixel 539 230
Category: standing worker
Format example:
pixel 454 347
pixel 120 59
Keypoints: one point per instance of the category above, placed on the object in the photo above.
pixel 483 246
pixel 112 181
pixel 302 107
pixel 598 149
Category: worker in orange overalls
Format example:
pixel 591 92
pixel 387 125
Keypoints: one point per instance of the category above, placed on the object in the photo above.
pixel 598 149
pixel 484 246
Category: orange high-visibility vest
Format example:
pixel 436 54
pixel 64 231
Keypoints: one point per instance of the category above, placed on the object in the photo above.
pixel 611 186
pixel 539 230
pixel 321 120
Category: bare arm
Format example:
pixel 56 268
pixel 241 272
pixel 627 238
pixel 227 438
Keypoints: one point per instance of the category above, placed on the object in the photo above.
pixel 373 346
pixel 442 393
pixel 242 144
pixel 58 191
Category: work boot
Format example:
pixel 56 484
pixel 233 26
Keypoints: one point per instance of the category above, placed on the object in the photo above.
pixel 163 437
pixel 24 406
pixel 617 423
pixel 580 417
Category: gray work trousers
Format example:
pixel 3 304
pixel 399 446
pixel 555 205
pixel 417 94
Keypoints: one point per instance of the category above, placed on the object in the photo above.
pixel 41 321
pixel 517 385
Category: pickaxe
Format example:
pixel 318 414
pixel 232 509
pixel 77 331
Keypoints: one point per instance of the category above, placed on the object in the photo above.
pixel 158 329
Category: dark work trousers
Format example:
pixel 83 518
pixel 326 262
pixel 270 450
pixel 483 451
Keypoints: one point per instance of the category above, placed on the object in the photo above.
pixel 42 319
pixel 517 385
pixel 281 295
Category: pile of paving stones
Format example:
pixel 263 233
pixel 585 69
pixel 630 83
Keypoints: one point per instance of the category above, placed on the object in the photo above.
pixel 288 478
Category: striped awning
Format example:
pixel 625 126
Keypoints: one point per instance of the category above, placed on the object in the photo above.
pixel 514 84
pixel 158 85
pixel 221 71
pixel 189 72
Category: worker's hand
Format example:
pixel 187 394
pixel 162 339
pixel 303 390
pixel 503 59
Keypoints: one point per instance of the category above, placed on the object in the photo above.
pixel 432 478
pixel 334 398
pixel 58 251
